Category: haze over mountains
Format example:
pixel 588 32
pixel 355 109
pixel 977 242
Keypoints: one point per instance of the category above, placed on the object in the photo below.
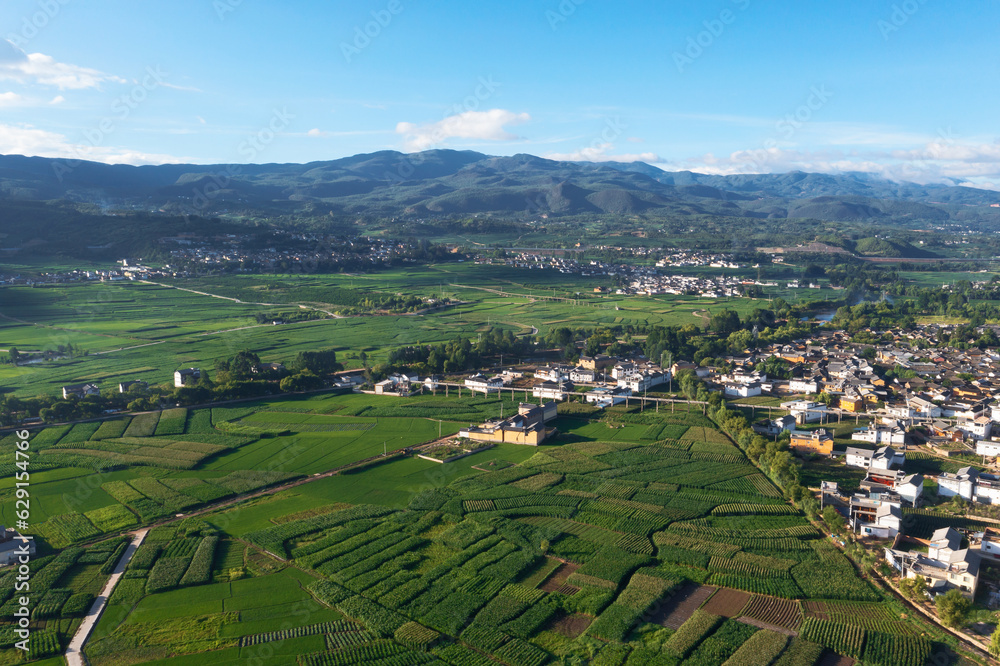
pixel 457 183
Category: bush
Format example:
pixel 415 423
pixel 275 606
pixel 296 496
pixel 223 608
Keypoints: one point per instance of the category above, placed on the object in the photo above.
pixel 699 625
pixel 166 573
pixel 200 569
pixel 762 648
pixel 78 604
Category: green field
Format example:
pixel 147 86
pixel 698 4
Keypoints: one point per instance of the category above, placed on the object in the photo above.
pixel 409 560
pixel 137 331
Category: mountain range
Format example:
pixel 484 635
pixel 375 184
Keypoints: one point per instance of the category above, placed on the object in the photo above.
pixel 448 183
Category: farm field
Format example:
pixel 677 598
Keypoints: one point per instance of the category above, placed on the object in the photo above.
pixel 565 552
pixel 85 482
pixel 141 331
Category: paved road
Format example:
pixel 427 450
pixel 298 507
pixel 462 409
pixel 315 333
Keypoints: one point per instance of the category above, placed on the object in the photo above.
pixel 74 653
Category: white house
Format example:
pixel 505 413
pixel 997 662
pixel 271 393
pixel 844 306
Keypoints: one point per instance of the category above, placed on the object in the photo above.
pixel 743 390
pixel 482 384
pixel 639 382
pixel 910 488
pixel 186 376
pixel 606 396
pixel 581 375
pixel 553 373
pixel 623 369
pixel 803 386
pixel 125 387
pixel 777 426
pixel 987 447
pixel 806 411
pixel 900 411
pixel 880 435
pixel 946 566
pixel 962 483
pixel 855 457
pixel 888 521
pixel 396 385
pixel 979 428
pixel 551 390
pixel 924 408
pixel 987 491
pixel 80 390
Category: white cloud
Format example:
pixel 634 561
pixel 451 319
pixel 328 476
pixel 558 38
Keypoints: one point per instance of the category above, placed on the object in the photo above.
pixel 58 99
pixel 9 99
pixel 479 125
pixel 28 140
pixel 601 153
pixel 177 87
pixel 16 65
pixel 939 161
pixel 317 132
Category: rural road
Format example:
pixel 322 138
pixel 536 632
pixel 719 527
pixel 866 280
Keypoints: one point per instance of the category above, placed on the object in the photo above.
pixel 236 300
pixel 74 653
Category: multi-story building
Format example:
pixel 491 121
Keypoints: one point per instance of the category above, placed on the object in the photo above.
pixel 482 384
pixel 526 427
pixel 812 441
pixel 885 458
pixel 946 566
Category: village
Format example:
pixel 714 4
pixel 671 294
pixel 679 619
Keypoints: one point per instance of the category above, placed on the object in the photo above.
pixel 837 410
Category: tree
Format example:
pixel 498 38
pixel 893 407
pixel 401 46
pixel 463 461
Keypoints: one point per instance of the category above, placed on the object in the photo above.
pixel 995 643
pixel 14 355
pixel 319 362
pixel 914 588
pixel 725 322
pixel 833 519
pixel 304 381
pixel 952 608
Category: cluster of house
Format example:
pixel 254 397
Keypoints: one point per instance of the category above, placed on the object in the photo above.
pixel 182 377
pixel 291 248
pixel 609 379
pixel 951 561
pixel 705 286
pixel 697 258
pixel 876 510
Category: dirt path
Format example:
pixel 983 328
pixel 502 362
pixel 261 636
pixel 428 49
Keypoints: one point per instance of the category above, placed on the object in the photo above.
pixel 236 300
pixel 74 653
pixel 112 351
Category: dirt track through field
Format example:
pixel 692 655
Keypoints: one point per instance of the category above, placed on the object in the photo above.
pixel 74 652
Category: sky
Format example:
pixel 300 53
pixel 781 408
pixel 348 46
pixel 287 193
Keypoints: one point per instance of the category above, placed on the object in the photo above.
pixel 904 89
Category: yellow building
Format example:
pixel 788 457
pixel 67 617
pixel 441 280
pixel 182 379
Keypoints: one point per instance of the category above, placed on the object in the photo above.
pixel 852 404
pixel 527 427
pixel 812 441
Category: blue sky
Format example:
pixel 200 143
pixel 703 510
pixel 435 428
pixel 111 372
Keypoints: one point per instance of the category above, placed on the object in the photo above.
pixel 905 89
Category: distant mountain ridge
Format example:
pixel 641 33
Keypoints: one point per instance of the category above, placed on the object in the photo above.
pixel 458 183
